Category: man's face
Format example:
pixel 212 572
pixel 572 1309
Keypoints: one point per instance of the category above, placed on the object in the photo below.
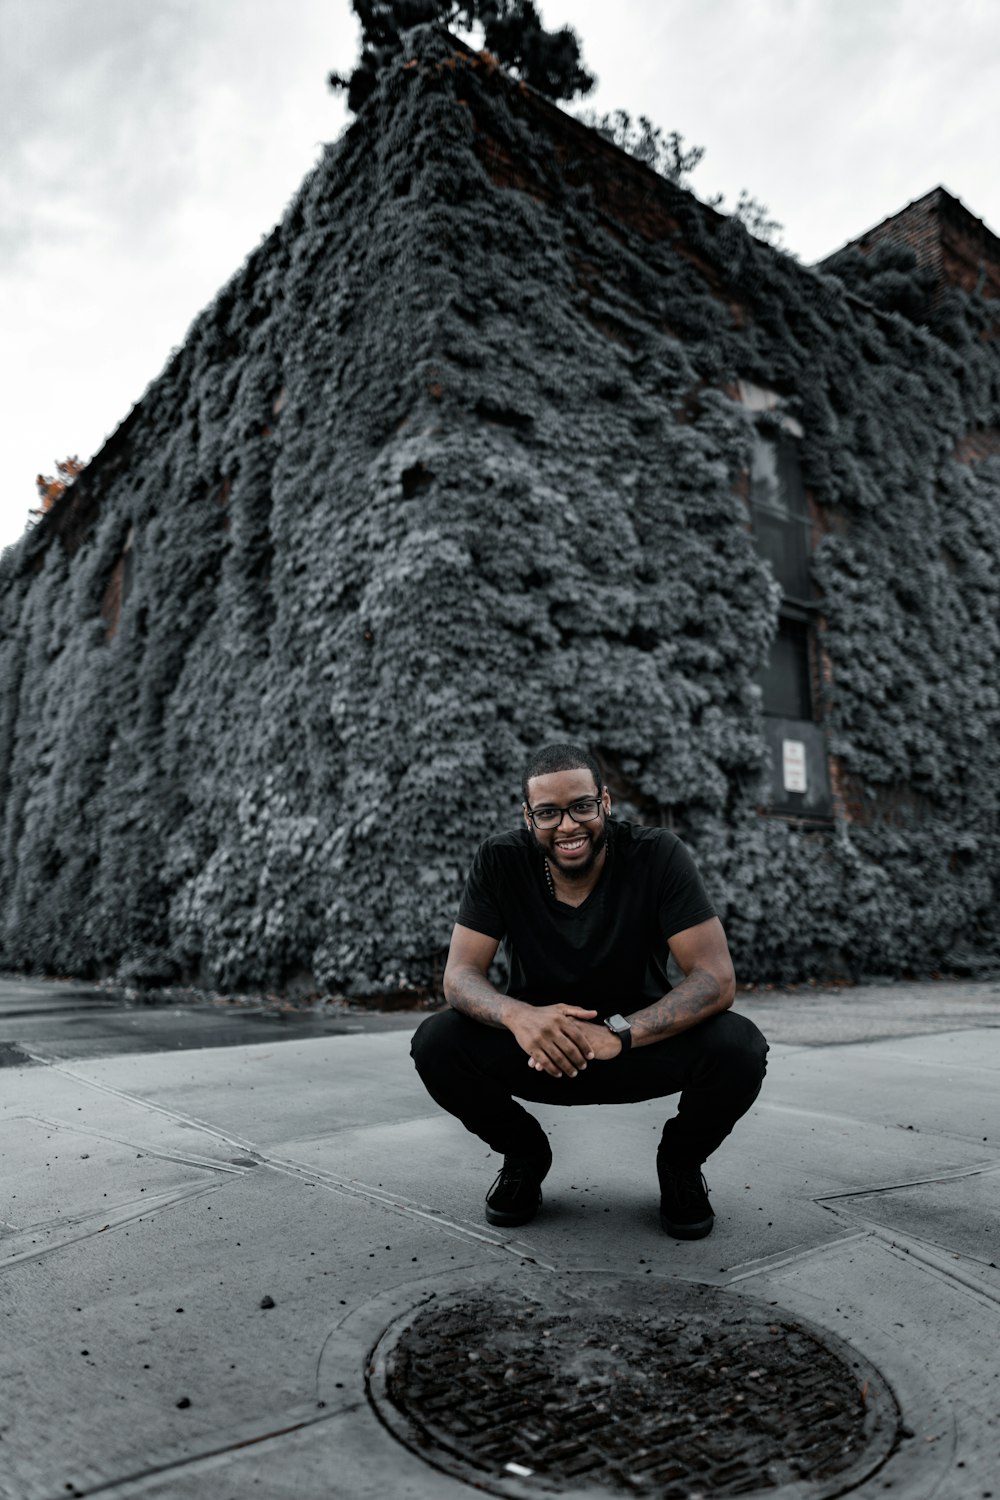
pixel 572 848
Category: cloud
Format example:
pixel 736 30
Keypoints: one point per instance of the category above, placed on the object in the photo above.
pixel 150 148
pixel 835 115
pixel 151 143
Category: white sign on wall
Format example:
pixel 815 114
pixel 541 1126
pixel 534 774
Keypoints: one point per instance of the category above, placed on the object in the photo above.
pixel 793 765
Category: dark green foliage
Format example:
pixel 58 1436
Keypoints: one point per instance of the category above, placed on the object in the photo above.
pixel 549 61
pixel 450 469
pixel 666 154
pixel 753 214
pixel 888 277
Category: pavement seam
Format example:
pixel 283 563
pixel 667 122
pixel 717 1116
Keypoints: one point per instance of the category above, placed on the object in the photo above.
pixel 118 1140
pixel 454 1227
pixel 837 1117
pixel 926 1253
pixel 933 1259
pixel 941 1064
pixel 236 1142
pixel 135 1483
pixel 955 1175
pixel 784 1258
pixel 299 1169
pixel 115 1218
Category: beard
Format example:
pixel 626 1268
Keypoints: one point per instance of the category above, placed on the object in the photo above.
pixel 581 868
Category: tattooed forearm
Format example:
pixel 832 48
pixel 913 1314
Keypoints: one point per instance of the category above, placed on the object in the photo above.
pixel 697 997
pixel 468 990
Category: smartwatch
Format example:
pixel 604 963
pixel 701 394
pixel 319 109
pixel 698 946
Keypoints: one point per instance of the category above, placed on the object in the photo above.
pixel 621 1029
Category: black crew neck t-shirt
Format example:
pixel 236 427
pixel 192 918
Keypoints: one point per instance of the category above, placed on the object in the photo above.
pixel 609 954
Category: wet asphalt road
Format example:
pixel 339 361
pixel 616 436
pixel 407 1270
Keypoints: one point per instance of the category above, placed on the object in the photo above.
pixel 62 1019
pixel 56 1019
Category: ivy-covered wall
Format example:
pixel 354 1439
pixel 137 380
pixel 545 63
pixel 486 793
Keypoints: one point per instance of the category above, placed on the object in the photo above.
pixel 455 465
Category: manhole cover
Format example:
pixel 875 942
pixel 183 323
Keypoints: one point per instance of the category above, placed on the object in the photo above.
pixel 680 1392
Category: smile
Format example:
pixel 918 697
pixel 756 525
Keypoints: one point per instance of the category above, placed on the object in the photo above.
pixel 570 846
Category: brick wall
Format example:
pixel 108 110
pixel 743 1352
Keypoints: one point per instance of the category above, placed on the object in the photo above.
pixel 947 239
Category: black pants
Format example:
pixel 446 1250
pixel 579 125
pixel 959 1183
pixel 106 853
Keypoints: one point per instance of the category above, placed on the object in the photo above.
pixel 473 1070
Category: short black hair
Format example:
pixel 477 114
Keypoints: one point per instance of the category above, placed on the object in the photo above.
pixel 560 757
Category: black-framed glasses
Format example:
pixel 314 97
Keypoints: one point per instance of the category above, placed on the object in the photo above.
pixel 583 810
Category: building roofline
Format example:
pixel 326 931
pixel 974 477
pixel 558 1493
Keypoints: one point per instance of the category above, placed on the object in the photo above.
pixel 949 207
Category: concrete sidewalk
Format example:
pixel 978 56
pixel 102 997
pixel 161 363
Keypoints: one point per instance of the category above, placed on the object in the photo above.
pixel 153 1201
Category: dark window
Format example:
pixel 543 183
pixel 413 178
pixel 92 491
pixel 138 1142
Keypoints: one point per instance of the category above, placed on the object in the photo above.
pixel 119 587
pixel 780 518
pixel 129 568
pixel 785 677
pixel 782 530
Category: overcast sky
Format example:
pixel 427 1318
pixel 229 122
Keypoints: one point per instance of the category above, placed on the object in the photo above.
pixel 148 145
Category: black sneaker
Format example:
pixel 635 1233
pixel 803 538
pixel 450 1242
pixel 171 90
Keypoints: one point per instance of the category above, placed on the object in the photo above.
pixel 516 1196
pixel 685 1211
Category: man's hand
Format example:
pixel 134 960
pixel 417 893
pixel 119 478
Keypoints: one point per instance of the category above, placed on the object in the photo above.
pixel 555 1037
pixel 603 1043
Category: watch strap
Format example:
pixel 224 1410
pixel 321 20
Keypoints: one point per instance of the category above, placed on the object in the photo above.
pixel 621 1029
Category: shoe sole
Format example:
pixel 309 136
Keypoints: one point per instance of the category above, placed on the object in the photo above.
pixel 696 1231
pixel 510 1221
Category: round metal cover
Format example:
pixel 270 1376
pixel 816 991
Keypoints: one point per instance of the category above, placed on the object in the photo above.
pixel 672 1390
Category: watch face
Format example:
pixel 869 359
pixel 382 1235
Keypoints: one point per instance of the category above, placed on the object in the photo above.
pixel 617 1023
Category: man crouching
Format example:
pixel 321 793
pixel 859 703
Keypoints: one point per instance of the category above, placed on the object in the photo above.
pixel 587 908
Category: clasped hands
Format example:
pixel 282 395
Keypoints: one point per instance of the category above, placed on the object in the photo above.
pixel 561 1039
